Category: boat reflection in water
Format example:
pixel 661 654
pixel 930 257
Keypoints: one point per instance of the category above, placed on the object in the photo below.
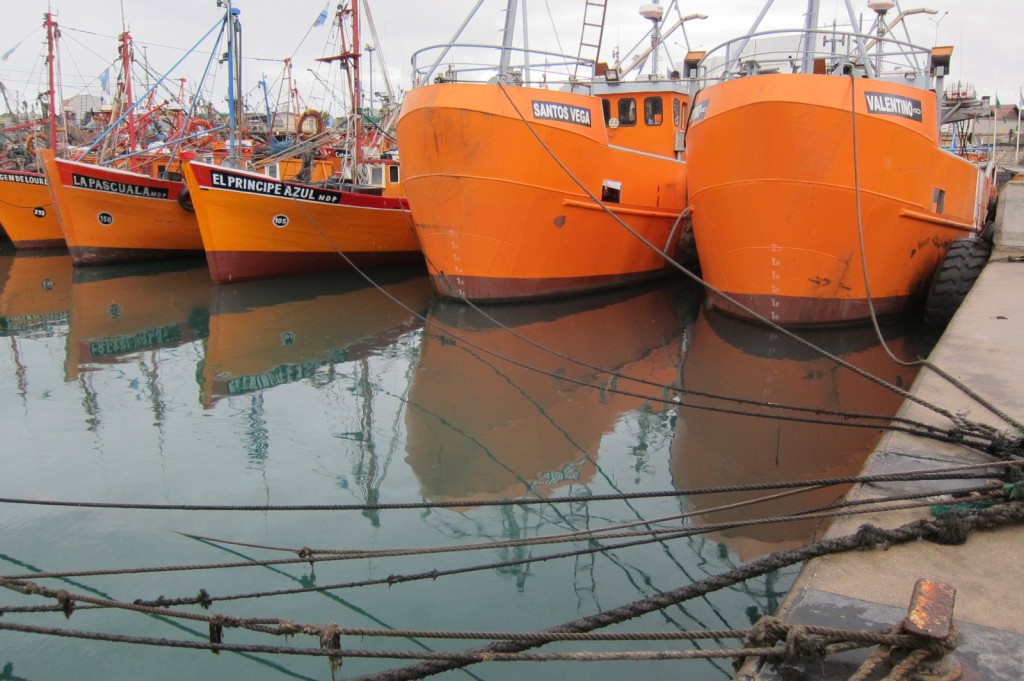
pixel 734 358
pixel 480 427
pixel 121 310
pixel 266 333
pixel 36 292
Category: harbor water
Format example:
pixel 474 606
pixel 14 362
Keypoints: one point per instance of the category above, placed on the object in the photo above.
pixel 146 384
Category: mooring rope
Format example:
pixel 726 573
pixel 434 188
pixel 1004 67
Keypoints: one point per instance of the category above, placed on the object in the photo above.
pixel 307 555
pixel 946 473
pixel 949 529
pixel 206 600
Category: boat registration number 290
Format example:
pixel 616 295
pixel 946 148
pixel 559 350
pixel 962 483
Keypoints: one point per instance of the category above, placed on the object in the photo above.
pixel 269 187
pixel 553 111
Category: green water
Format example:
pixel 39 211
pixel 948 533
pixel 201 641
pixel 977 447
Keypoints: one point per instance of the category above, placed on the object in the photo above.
pixel 148 384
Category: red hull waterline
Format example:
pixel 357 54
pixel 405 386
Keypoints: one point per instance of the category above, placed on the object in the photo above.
pixel 228 266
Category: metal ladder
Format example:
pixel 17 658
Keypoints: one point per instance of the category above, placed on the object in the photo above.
pixel 591 35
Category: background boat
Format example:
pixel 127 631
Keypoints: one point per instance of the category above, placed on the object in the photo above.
pixel 27 211
pixel 121 198
pixel 254 226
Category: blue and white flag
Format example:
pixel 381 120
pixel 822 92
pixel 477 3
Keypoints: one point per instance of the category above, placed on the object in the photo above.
pixel 321 18
pixel 9 52
pixel 105 81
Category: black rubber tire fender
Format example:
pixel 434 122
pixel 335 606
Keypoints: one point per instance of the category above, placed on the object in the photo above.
pixel 955 276
pixel 185 200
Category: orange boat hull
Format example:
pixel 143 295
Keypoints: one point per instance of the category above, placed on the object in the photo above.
pixel 776 192
pixel 254 226
pixel 500 219
pixel 111 215
pixel 27 212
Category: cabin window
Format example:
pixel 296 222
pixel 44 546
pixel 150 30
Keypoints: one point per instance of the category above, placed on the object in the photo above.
pixel 376 176
pixel 653 110
pixel 627 111
pixel 393 176
pixel 606 106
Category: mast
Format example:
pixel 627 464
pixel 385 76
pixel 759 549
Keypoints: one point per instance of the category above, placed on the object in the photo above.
pixel 357 88
pixel 51 39
pixel 234 76
pixel 507 37
pixel 349 56
pixel 807 43
pixel 127 100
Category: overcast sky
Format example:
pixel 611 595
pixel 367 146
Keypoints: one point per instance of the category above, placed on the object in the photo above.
pixel 985 34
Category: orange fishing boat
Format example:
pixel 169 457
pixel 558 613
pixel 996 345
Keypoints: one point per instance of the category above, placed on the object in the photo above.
pixel 136 211
pixel 819 181
pixel 267 333
pixel 539 184
pixel 255 226
pixel 111 215
pixel 721 443
pixel 523 432
pixel 27 213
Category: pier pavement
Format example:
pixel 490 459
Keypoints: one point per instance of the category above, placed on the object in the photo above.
pixel 982 347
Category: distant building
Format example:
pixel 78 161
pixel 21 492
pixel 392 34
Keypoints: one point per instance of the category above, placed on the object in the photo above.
pixel 82 104
pixel 1003 121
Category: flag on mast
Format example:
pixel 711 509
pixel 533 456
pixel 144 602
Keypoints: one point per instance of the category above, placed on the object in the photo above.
pixel 322 17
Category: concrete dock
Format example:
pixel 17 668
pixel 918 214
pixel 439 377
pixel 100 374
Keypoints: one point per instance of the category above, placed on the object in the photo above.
pixel 982 347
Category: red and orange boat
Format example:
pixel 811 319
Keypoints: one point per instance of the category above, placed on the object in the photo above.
pixel 519 191
pixel 136 211
pixel 111 215
pixel 256 226
pixel 27 213
pixel 816 190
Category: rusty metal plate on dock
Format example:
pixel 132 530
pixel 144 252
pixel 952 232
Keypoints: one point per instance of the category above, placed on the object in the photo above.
pixel 931 610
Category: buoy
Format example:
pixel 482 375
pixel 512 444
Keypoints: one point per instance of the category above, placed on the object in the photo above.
pixel 309 114
pixel 197 125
